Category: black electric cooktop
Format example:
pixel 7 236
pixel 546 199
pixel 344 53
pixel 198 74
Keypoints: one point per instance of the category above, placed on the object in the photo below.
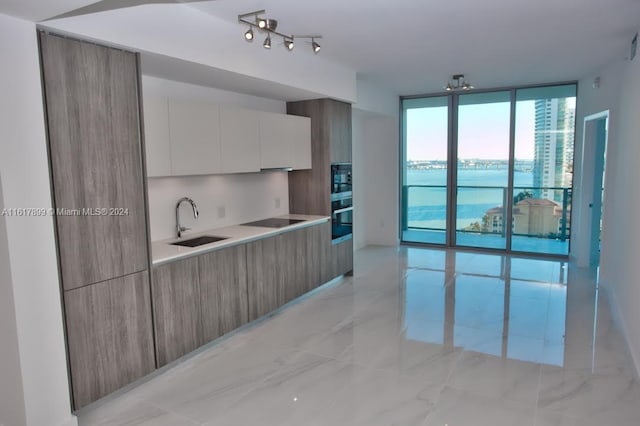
pixel 273 222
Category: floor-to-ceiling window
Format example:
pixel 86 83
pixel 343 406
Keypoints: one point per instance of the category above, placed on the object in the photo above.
pixel 490 169
pixel 482 173
pixel 426 153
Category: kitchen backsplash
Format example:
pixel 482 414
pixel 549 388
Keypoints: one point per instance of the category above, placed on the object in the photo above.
pixel 222 200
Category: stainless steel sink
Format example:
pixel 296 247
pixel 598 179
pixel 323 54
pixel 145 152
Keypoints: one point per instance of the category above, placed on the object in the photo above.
pixel 198 241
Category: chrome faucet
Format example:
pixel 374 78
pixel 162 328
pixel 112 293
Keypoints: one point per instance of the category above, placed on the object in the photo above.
pixel 179 227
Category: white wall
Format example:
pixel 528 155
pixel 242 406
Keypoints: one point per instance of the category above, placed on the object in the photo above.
pixel 375 166
pixel 30 240
pixel 620 269
pixel 244 197
pixel 591 101
pixel 358 119
pixel 375 99
pixel 12 410
pixel 375 174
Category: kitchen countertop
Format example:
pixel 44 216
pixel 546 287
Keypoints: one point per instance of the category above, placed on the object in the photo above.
pixel 162 251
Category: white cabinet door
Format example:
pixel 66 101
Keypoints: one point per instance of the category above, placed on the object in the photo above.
pixel 156 135
pixel 299 131
pixel 274 141
pixel 239 139
pixel 195 138
pixel 285 141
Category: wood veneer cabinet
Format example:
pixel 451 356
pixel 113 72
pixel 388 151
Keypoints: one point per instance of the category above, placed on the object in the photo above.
pixel 223 291
pixel 293 263
pixel 95 152
pixel 176 308
pixel 310 190
pixel 109 335
pixel 266 292
pixel 286 266
pixel 321 271
pixel 96 159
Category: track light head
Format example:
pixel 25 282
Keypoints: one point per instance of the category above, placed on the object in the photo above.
pixel 288 43
pixel 267 42
pixel 267 24
pixel 249 34
pixel 315 46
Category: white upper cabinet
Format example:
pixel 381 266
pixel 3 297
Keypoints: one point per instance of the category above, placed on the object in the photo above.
pixel 184 137
pixel 156 135
pixel 239 139
pixel 274 143
pixel 300 141
pixel 285 141
pixel 195 138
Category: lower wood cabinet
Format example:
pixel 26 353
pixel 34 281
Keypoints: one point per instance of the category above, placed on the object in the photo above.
pixel 198 299
pixel 223 291
pixel 325 258
pixel 292 262
pixel 177 311
pixel 342 258
pixel 109 333
pixel 284 267
pixel 263 277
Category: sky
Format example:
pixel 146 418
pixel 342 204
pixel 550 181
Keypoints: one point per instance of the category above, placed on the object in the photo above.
pixel 483 131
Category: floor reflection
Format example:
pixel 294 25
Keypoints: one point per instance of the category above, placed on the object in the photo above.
pixel 498 305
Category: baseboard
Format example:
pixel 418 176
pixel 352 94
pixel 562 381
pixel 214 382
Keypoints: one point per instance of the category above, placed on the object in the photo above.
pixel 619 321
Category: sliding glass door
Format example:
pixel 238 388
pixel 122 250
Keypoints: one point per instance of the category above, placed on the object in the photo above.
pixel 489 170
pixel 482 176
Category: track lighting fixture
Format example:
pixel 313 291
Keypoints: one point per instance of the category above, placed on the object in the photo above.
pixel 459 84
pixel 269 26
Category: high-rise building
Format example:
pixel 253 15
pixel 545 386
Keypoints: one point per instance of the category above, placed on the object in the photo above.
pixel 554 137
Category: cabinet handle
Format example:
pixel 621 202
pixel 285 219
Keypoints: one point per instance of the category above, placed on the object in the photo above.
pixel 346 209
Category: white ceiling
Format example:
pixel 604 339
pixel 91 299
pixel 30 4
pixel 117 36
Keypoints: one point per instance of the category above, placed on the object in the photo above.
pixel 413 46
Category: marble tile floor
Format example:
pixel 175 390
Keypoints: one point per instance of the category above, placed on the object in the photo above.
pixel 417 336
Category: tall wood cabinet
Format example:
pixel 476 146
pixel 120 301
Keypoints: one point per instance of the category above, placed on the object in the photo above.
pixel 310 190
pixel 97 171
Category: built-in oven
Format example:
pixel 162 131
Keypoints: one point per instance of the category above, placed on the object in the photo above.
pixel 340 178
pixel 341 202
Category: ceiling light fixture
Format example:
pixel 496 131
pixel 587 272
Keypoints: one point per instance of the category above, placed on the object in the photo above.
pixel 268 26
pixel 459 84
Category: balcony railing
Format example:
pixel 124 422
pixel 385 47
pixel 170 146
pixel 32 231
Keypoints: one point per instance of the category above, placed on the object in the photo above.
pixel 536 212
